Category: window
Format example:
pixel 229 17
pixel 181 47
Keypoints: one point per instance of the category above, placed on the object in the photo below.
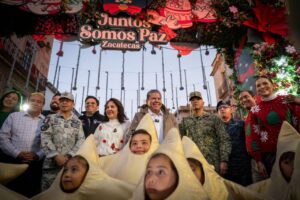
pixel 27 56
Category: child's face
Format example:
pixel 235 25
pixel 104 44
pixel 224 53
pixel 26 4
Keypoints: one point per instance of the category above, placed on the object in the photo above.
pixel 140 143
pixel 287 167
pixel 196 169
pixel 73 175
pixel 160 179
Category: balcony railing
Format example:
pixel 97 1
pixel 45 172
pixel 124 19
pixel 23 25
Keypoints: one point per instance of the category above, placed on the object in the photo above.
pixel 223 89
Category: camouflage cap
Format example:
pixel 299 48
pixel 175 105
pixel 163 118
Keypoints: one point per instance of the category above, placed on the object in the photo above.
pixel 195 94
pixel 67 95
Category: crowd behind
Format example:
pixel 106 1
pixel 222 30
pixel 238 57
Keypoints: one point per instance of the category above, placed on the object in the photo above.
pixel 240 150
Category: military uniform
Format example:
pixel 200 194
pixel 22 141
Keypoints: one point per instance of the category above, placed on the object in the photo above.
pixel 59 136
pixel 208 132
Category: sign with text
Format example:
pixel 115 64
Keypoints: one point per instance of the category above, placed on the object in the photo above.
pixel 121 33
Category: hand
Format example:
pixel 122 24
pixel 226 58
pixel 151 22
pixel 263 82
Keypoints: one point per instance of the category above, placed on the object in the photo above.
pixel 25 157
pixel 262 169
pixel 292 99
pixel 34 156
pixel 223 168
pixel 60 160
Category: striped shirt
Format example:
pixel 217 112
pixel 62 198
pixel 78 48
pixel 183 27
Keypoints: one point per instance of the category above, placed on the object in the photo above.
pixel 21 132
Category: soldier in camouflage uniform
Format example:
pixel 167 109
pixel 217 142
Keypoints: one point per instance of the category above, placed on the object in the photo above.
pixel 61 137
pixel 208 132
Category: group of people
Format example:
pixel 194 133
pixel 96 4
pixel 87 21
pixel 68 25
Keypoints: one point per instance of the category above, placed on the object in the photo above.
pixel 239 150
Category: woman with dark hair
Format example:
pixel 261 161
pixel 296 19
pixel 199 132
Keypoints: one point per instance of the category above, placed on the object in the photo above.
pixel 110 134
pixel 10 102
pixel 266 119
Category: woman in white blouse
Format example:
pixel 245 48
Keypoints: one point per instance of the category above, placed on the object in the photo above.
pixel 110 134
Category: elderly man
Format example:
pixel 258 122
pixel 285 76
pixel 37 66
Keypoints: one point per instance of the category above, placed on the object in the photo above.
pixel 208 132
pixel 20 142
pixel 91 118
pixel 61 137
pixel 239 163
pixel 161 116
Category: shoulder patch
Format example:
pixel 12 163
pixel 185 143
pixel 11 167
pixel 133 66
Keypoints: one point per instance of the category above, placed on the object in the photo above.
pixel 45 127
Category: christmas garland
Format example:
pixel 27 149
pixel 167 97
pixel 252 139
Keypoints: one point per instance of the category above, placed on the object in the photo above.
pixel 274 56
pixel 280 62
pixel 277 59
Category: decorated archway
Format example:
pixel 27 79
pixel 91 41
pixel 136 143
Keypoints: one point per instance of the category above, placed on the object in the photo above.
pixel 252 35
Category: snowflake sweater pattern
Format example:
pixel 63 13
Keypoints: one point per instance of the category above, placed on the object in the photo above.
pixel 263 125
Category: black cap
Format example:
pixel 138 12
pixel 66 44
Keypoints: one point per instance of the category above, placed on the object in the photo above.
pixel 222 103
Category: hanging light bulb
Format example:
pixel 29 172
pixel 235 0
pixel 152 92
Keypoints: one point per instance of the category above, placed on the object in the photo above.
pixel 206 51
pixel 143 63
pixel 94 50
pixel 60 53
pixel 179 63
pixel 153 52
pixel 123 71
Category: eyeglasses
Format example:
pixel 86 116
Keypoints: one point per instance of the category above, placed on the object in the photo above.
pixel 224 106
pixel 90 103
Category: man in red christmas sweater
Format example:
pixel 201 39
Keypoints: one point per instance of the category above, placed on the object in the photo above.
pixel 264 123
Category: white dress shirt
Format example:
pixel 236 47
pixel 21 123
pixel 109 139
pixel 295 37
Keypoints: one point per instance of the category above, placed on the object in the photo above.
pixel 159 125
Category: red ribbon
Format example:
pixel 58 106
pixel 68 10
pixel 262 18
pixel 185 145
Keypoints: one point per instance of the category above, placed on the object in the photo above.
pixel 269 20
pixel 170 33
pixel 114 9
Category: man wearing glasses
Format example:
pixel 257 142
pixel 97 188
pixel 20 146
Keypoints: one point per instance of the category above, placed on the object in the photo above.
pixel 91 117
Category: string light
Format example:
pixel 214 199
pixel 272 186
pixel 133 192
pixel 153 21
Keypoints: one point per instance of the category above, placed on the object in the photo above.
pixel 143 67
pixel 123 70
pixel 77 67
pixel 180 76
pixel 99 70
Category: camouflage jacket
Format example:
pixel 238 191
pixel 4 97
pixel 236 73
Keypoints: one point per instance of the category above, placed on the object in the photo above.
pixel 208 132
pixel 60 136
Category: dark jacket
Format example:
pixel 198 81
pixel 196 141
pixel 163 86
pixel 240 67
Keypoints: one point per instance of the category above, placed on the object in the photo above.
pixel 169 120
pixel 90 124
pixel 48 112
pixel 239 164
